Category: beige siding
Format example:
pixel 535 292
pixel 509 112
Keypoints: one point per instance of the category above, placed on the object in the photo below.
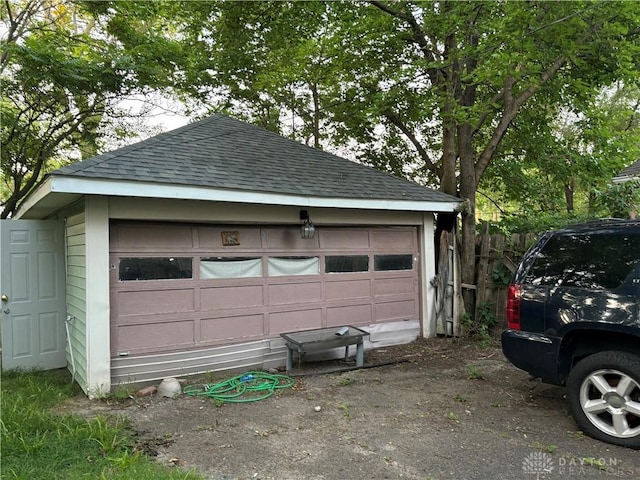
pixel 77 297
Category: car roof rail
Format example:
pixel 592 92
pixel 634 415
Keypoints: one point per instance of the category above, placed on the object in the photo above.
pixel 600 222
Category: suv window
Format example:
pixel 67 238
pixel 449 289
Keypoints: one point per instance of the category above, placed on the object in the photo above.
pixel 592 261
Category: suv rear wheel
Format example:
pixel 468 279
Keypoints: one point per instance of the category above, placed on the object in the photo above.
pixel 604 394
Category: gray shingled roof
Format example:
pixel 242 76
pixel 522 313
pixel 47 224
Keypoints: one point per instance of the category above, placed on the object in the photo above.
pixel 632 171
pixel 221 152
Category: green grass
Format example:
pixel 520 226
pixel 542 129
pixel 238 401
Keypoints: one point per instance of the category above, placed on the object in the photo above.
pixel 37 443
pixel 474 373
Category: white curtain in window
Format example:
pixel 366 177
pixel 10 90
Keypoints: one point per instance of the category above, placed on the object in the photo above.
pixel 231 269
pixel 293 266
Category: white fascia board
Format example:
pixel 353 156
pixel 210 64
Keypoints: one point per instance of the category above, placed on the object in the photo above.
pixel 625 178
pixel 38 194
pixel 126 188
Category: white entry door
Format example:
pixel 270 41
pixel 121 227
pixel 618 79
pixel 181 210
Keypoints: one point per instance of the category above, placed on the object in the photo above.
pixel 32 289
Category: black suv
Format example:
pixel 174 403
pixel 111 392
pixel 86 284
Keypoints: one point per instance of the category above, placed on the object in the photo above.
pixel 573 314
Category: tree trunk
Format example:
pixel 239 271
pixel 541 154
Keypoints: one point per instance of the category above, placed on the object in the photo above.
pixel 468 186
pixel 568 195
pixel 316 116
pixel 468 179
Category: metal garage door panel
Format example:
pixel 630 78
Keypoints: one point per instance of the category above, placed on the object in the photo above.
pixel 227 296
pixel 280 322
pixel 151 237
pixel 346 289
pixel 232 328
pixel 295 293
pixel 197 312
pixel 400 310
pixel 143 302
pixel 154 337
pixel 394 286
pixel 351 315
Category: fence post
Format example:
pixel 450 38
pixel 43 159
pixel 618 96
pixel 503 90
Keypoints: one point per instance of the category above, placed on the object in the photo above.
pixel 483 268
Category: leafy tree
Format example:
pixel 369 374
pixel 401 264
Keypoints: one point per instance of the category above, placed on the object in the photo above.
pixel 441 92
pixel 431 90
pixel 620 200
pixel 63 79
pixel 570 156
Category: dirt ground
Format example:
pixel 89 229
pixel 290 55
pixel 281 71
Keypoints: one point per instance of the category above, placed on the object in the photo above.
pixel 438 409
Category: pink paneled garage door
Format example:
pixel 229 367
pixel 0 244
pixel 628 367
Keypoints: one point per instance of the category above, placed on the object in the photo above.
pixel 177 287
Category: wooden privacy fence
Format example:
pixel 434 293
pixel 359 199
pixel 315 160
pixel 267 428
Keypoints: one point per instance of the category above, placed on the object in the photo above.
pixel 446 305
pixel 497 257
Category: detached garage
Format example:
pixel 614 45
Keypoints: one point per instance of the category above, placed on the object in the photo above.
pixel 194 250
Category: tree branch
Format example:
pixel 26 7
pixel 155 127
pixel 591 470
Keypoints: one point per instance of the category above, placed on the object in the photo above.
pixel 511 107
pixel 491 200
pixel 17 26
pixel 417 33
pixel 394 118
pixel 632 117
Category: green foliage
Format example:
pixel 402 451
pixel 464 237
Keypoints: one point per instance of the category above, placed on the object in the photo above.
pixel 39 443
pixel 452 416
pixel 474 373
pixel 570 156
pixel 503 95
pixel 64 78
pixel 482 326
pixel 547 448
pixel 620 200
pixel 345 410
pixel 501 275
pixel 537 222
pixel 535 103
pixel 378 77
pixel 347 381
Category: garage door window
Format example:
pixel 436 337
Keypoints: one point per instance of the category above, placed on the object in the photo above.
pixel 230 267
pixel 346 263
pixel 279 266
pixel 155 268
pixel 383 263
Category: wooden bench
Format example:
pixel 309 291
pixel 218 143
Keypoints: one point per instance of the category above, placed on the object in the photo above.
pixel 324 339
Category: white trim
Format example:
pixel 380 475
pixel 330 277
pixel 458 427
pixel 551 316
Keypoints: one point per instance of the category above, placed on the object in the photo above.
pixel 36 196
pixel 129 188
pixel 428 291
pixel 97 313
pixel 626 178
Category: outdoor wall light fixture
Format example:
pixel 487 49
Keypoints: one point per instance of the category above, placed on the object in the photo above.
pixel 308 229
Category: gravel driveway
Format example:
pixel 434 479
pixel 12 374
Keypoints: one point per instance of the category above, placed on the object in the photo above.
pixel 438 409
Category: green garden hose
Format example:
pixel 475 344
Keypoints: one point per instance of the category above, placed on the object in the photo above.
pixel 248 387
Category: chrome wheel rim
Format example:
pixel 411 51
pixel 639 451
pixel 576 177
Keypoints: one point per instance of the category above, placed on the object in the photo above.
pixel 610 399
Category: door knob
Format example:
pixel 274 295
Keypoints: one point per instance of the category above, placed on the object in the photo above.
pixel 4 298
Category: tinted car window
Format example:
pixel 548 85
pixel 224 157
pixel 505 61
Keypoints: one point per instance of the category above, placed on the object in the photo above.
pixel 592 261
